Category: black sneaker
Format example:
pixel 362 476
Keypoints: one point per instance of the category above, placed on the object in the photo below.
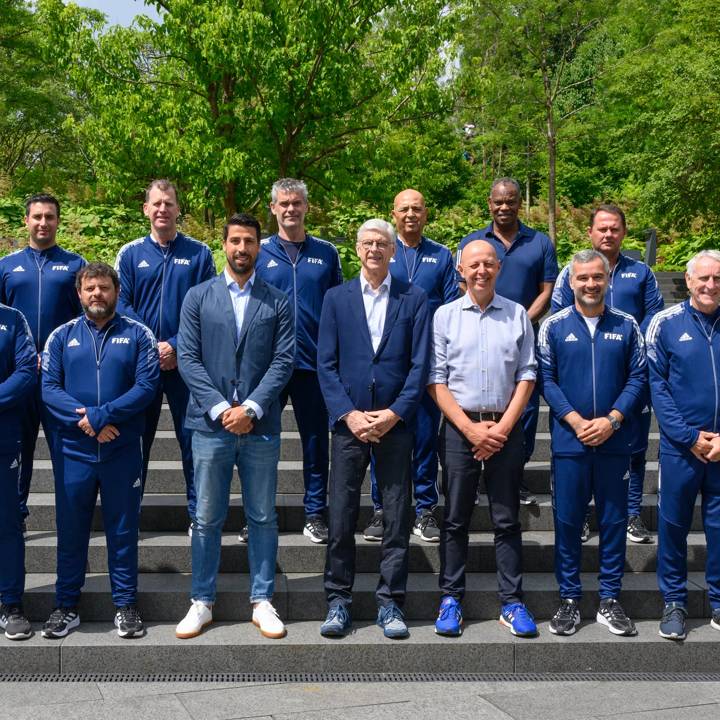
pixel 611 614
pixel 128 622
pixel 566 619
pixel 426 527
pixel 316 529
pixel 636 530
pixel 243 536
pixel 14 622
pixel 61 622
pixel 374 531
pixel 526 497
pixel 585 534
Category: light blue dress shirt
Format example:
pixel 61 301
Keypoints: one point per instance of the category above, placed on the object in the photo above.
pixel 375 302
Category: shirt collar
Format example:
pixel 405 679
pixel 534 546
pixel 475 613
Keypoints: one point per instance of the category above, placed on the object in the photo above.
pixel 158 244
pixel 230 281
pixel 523 231
pixel 364 284
pixel 468 304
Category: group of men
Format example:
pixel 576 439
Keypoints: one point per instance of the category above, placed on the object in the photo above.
pixel 417 359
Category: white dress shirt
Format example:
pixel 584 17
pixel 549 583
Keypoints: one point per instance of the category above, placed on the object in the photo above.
pixel 376 302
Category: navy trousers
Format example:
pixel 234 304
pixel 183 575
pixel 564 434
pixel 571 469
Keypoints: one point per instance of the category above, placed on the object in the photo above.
pixel 576 479
pixel 173 387
pixel 76 487
pixel 312 421
pixel 12 545
pixel 641 424
pixel 681 479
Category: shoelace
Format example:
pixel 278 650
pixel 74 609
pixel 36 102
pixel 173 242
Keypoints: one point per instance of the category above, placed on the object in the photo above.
pixel 518 611
pixel 57 616
pixel 675 613
pixel 377 520
pixel 338 613
pixel 268 607
pixel 128 614
pixel 392 613
pixel 615 611
pixel 426 520
pixel 566 611
pixel 449 610
pixel 315 525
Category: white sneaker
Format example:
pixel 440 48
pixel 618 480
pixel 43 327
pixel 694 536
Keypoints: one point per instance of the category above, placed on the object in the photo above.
pixel 199 616
pixel 265 617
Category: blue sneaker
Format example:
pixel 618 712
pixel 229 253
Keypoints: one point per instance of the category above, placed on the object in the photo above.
pixel 450 621
pixel 391 619
pixel 519 619
pixel 672 624
pixel 337 623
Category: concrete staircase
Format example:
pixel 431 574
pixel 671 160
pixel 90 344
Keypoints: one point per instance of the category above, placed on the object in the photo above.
pixel 233 644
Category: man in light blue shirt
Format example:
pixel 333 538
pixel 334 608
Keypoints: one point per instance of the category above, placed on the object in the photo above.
pixel 482 373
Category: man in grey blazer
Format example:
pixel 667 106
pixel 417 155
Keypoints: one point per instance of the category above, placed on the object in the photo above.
pixel 235 353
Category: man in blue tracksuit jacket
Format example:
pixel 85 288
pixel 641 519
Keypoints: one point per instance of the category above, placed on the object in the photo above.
pixel 305 268
pixel 155 274
pixel 39 281
pixel 683 345
pixel 634 290
pixel 528 270
pixel 18 378
pixel 594 373
pixel 100 372
pixel 430 266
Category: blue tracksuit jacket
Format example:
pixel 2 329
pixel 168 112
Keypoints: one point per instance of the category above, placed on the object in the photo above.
pixel 684 360
pixel 41 284
pixel 632 289
pixel 431 267
pixel 114 375
pixel 18 374
pixel 591 375
pixel 154 281
pixel 305 282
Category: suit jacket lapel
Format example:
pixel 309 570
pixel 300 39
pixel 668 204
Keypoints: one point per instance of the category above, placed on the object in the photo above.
pixel 392 310
pixel 226 306
pixel 357 308
pixel 256 294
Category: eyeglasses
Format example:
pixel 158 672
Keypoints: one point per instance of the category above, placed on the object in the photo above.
pixel 379 244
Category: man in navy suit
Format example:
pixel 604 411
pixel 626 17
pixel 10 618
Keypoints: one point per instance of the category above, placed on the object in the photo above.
pixel 235 353
pixel 373 356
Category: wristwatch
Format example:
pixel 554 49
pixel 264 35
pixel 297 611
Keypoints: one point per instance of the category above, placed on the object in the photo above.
pixel 614 422
pixel 249 412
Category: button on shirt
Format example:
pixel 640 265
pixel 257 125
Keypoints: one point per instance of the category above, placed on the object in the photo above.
pixel 239 298
pixel 481 355
pixel 376 302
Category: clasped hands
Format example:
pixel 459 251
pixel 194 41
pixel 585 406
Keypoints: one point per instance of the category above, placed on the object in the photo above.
pixel 487 438
pixel 168 357
pixel 371 425
pixel 707 447
pixel 107 434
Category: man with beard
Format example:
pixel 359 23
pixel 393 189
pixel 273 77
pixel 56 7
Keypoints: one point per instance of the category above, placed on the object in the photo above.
pixel 39 281
pixel 591 444
pixel 235 352
pixel 100 372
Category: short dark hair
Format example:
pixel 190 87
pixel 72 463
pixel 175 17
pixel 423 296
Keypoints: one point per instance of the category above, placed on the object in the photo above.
pixel 42 198
pixel 97 270
pixel 164 185
pixel 608 208
pixel 506 181
pixel 243 219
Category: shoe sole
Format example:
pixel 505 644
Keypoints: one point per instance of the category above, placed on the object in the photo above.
pixel 562 633
pixel 133 634
pixel 509 626
pixel 372 538
pixel 623 633
pixel 672 636
pixel 19 636
pixel 418 533
pixel 265 633
pixel 638 539
pixel 335 633
pixel 242 540
pixel 714 625
pixel 445 633
pixel 54 635
pixel 397 636
pixel 314 538
pixel 187 636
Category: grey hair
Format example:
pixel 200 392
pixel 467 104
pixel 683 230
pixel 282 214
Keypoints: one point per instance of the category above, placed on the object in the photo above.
pixel 288 185
pixel 378 225
pixel 586 256
pixel 710 254
pixel 506 181
pixel 162 184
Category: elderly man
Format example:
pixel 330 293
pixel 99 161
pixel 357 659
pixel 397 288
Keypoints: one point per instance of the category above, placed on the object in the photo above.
pixel 429 265
pixel 594 373
pixel 683 345
pixel 528 273
pixel 634 290
pixel 373 352
pixel 482 375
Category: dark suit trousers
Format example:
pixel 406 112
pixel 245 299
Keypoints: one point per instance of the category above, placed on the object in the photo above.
pixel 502 473
pixel 350 459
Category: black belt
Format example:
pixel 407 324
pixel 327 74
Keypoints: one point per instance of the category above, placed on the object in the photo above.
pixel 483 416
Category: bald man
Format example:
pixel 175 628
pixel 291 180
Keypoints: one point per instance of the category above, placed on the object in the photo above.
pixel 482 375
pixel 428 265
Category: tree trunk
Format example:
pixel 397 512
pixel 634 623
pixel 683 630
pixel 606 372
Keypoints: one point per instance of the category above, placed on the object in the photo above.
pixel 552 158
pixel 229 200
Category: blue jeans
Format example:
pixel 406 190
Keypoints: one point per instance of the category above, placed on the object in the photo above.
pixel 256 457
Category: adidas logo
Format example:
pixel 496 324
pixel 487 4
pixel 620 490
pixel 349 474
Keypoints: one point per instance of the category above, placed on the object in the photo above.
pixel 684 338
pixel 143 263
pixel 392 259
pixel 19 268
pixel 15 464
pixel 136 483
pixel 571 338
pixel 73 343
pixel 272 264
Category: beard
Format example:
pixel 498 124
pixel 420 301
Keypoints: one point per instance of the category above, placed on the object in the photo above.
pixel 99 312
pixel 242 265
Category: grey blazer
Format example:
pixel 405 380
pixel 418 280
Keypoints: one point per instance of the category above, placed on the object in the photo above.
pixel 215 363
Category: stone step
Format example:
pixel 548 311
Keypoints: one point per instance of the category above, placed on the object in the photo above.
pixel 484 647
pixel 168 513
pixel 170 552
pixel 300 596
pixel 166 476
